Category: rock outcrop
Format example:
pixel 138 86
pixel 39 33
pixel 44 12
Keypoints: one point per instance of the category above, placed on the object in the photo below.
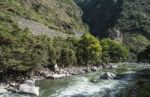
pixel 108 75
pixel 3 90
pixel 25 88
pixel 29 88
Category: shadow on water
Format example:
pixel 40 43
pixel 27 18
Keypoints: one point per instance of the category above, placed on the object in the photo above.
pixel 141 86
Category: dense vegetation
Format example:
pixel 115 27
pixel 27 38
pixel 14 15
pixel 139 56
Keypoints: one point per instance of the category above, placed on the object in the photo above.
pixel 113 51
pixel 106 16
pixel 21 51
pixel 125 20
pixel 144 56
pixel 60 15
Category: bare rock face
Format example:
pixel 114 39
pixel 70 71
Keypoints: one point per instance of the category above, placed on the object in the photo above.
pixel 2 90
pixel 29 88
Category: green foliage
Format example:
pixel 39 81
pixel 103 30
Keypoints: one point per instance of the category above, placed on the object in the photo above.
pixel 67 57
pixel 144 56
pixel 100 15
pixel 89 50
pixel 60 15
pixel 24 53
pixel 113 51
pixel 136 43
pixel 128 16
pixel 127 20
pixel 134 16
pixel 19 50
pixel 54 54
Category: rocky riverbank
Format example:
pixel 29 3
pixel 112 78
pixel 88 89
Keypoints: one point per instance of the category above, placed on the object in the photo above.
pixel 27 85
pixel 46 73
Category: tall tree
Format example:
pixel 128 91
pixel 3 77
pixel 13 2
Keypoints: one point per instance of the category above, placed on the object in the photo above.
pixel 89 49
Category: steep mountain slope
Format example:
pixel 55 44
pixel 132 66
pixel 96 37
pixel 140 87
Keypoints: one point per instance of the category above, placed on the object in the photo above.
pixel 100 14
pixel 105 16
pixel 60 15
pixel 40 29
pixel 125 20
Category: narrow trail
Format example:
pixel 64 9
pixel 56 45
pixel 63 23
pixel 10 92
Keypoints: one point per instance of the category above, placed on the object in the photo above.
pixel 41 29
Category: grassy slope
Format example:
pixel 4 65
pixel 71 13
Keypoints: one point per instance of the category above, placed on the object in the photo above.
pixel 60 15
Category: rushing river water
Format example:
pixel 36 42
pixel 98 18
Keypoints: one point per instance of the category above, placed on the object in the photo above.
pixel 89 85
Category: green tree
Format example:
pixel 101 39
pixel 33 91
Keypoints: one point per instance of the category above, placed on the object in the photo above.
pixel 89 50
pixel 20 51
pixel 113 51
pixel 67 57
pixel 133 42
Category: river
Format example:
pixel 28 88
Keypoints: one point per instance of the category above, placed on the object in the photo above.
pixel 89 85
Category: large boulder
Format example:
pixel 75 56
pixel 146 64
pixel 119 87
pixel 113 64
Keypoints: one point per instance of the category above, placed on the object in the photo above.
pixel 108 75
pixel 3 90
pixel 28 89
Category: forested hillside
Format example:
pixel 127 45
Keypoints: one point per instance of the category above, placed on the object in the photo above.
pixel 125 20
pixel 105 16
pixel 22 52
pixel 60 15
pixel 120 31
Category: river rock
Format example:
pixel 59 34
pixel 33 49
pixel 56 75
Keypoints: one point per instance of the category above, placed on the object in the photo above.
pixel 56 69
pixel 94 68
pixel 108 75
pixel 100 67
pixel 13 84
pixel 2 90
pixel 114 66
pixel 56 76
pixel 29 82
pixel 28 89
pixel 13 89
pixel 86 70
